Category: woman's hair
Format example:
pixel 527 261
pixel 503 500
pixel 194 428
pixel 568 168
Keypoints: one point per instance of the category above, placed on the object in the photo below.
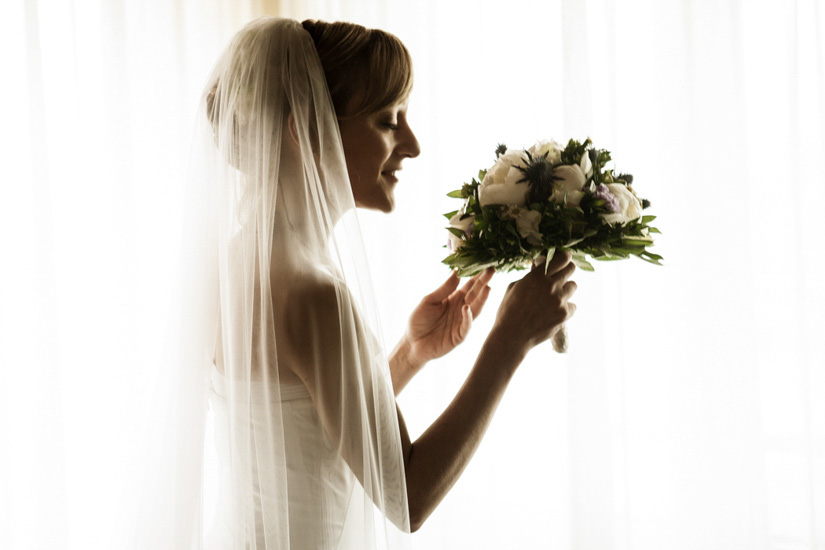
pixel 366 69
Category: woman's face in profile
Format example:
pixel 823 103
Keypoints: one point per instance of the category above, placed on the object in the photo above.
pixel 375 145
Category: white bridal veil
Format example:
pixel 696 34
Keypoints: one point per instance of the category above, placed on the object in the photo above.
pixel 279 370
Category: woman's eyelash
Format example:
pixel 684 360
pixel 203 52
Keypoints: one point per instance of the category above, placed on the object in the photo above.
pixel 391 125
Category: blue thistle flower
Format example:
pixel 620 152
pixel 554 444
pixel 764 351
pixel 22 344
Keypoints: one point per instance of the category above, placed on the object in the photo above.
pixel 627 178
pixel 538 173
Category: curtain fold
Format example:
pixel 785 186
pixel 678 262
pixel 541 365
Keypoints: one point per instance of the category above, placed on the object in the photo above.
pixel 690 412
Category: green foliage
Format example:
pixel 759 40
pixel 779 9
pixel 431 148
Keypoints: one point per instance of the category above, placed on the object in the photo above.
pixel 574 151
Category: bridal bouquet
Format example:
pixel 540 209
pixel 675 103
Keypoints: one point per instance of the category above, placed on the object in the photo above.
pixel 548 197
pixel 532 202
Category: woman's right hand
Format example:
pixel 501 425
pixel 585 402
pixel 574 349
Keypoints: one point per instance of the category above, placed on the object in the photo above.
pixel 536 306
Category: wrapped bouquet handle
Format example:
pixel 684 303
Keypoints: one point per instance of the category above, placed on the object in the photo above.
pixel 560 340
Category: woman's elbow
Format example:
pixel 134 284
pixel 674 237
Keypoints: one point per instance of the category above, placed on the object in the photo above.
pixel 416 521
pixel 418 513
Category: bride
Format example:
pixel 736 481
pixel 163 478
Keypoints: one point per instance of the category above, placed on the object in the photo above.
pixel 305 122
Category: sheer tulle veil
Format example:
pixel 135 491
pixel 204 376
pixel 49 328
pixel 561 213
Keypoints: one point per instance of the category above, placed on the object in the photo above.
pixel 273 274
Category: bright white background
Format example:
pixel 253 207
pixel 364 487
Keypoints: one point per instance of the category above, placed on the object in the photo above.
pixel 690 412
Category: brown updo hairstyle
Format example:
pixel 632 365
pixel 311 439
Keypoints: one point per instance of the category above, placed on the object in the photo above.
pixel 366 69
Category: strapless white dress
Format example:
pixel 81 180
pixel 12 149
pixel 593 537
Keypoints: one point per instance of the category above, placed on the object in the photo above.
pixel 320 482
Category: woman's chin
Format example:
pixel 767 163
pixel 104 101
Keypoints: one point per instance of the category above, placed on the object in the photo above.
pixel 388 207
pixel 385 204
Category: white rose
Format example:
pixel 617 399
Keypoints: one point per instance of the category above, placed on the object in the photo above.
pixel 570 183
pixel 527 223
pixel 502 167
pixel 496 173
pixel 552 149
pixel 513 157
pixel 465 225
pixel 513 176
pixel 630 207
pixel 500 185
pixel 504 194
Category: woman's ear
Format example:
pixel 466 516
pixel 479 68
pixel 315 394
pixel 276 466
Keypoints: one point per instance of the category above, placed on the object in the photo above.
pixel 293 129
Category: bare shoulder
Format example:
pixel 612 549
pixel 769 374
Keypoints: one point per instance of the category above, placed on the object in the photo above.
pixel 314 308
pixel 312 300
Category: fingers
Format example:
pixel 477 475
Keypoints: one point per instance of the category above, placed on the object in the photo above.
pixel 468 287
pixel 555 279
pixel 487 275
pixel 561 258
pixel 443 292
pixel 566 272
pixel 478 304
pixel 569 288
pixel 477 285
pixel 466 322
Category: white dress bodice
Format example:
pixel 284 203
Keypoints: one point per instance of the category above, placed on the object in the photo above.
pixel 318 479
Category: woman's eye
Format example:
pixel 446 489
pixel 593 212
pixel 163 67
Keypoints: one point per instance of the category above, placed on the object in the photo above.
pixel 391 125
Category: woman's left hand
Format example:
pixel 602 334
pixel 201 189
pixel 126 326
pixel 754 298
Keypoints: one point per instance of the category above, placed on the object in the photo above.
pixel 443 318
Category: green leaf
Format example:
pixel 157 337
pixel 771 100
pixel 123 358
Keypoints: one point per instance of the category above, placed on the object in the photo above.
pixel 648 219
pixel 573 242
pixel 637 241
pixel 549 253
pixel 478 268
pixel 449 215
pixel 457 232
pixel 651 257
pixel 650 260
pixel 581 263
pixel 455 194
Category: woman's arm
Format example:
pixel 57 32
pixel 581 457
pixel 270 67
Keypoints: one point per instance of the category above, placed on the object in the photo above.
pixel 403 366
pixel 336 368
pixel 437 458
pixel 531 312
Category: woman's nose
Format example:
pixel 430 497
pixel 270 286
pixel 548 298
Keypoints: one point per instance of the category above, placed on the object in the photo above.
pixel 408 146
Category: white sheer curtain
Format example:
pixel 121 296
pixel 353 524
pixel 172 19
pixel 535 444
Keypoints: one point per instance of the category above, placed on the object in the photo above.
pixel 690 412
pixel 99 100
